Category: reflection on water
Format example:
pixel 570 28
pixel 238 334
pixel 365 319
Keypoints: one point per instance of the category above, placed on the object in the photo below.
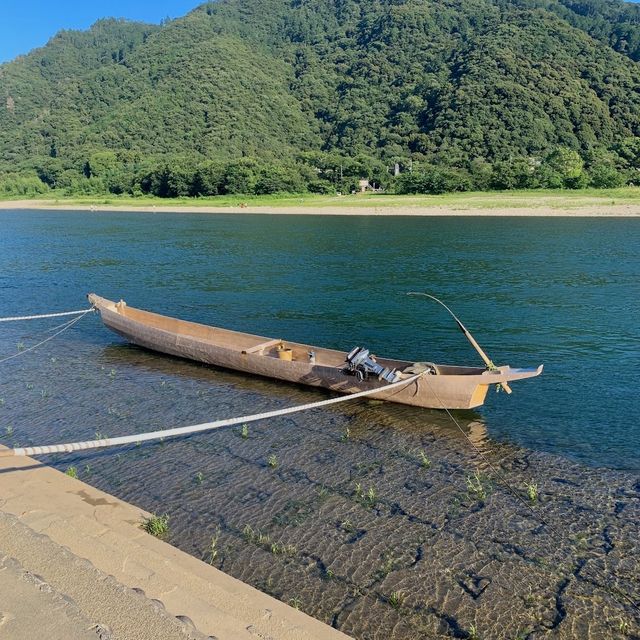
pixel 365 499
pixel 402 417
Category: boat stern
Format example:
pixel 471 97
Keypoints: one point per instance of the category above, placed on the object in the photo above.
pixel 506 373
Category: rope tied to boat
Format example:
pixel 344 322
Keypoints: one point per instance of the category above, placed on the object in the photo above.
pixel 64 327
pixel 48 315
pixel 70 447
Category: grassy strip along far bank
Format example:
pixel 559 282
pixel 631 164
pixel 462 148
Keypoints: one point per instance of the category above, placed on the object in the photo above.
pixel 529 199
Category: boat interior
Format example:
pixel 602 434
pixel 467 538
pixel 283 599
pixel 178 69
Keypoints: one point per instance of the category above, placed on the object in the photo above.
pixel 271 347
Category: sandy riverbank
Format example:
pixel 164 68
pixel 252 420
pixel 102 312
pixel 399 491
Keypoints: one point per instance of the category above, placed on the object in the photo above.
pixel 75 561
pixel 544 209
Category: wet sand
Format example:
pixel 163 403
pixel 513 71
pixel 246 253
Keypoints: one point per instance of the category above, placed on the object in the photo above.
pixel 544 209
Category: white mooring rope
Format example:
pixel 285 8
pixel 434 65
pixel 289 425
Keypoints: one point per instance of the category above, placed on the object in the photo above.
pixel 46 315
pixel 65 326
pixel 181 431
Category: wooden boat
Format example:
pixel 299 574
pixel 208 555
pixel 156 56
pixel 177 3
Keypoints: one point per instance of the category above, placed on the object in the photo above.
pixel 442 386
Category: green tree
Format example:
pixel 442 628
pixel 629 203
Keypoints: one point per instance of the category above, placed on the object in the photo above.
pixel 240 177
pixel 568 164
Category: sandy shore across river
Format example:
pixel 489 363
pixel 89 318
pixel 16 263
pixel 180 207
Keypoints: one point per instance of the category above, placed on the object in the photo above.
pixel 545 208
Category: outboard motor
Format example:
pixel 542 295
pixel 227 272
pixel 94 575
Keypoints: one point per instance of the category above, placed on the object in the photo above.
pixel 360 363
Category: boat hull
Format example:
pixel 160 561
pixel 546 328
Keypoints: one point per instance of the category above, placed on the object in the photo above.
pixel 460 388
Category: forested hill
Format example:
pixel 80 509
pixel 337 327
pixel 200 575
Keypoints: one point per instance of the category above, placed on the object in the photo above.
pixel 251 96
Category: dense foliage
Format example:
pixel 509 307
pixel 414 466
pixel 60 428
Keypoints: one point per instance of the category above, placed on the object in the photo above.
pixel 262 96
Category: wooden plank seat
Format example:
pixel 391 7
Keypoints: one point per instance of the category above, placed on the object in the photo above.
pixel 262 346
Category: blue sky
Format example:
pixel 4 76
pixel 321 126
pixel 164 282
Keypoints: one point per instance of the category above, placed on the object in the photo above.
pixel 25 24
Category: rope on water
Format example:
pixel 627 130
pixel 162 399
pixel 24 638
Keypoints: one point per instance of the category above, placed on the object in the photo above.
pixel 182 431
pixel 47 315
pixel 65 326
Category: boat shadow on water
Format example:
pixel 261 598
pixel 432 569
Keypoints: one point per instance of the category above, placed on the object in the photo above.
pixel 471 424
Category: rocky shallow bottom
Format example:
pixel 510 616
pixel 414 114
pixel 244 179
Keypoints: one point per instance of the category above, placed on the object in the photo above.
pixel 384 521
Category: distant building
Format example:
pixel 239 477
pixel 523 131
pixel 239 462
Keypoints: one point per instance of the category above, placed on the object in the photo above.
pixel 363 183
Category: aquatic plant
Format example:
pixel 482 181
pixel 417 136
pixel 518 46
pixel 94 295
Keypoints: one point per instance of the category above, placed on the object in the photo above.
pixel 248 533
pixel 323 492
pixel 112 373
pixel 473 633
pixel 72 472
pixel 358 590
pixel 87 468
pixel 263 539
pixel 389 564
pixel 328 574
pixel 532 492
pixel 396 599
pixel 347 526
pixel 272 461
pixel 244 432
pixel 424 461
pixel 275 548
pixel 20 346
pixel 44 393
pixel 296 603
pixel 157 526
pixel 213 546
pixel 9 430
pixel 1 402
pixel 199 477
pixel 581 540
pixel 545 564
pixel 346 435
pixel 283 549
pixel 371 497
pixel 476 486
pixel 530 599
pixel 98 435
pixel 367 499
pixel 29 386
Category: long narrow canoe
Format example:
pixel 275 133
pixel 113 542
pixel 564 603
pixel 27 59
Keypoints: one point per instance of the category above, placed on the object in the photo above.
pixel 442 386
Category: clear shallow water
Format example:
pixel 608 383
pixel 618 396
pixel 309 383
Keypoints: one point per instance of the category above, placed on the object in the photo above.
pixel 562 292
pixel 565 292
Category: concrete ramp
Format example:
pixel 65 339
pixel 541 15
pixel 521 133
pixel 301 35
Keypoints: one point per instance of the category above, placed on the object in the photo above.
pixel 113 580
